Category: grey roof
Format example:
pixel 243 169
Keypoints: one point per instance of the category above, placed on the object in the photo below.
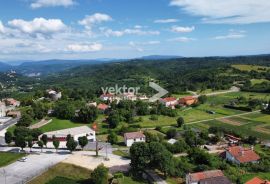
pixel 71 131
pixel 216 180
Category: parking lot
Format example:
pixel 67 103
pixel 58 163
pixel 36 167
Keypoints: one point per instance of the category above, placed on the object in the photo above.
pixel 21 172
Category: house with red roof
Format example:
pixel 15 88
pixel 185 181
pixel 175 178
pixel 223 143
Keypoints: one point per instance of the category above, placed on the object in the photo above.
pixel 169 101
pixel 241 155
pixel 207 177
pixel 188 100
pixel 257 180
pixel 107 97
pixel 132 137
pixel 102 107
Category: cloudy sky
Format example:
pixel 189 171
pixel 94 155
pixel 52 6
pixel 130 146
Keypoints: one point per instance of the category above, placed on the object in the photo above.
pixel 80 29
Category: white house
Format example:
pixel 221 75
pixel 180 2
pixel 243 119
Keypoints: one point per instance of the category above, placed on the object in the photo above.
pixel 3 109
pixel 76 132
pixel 132 137
pixel 54 95
pixel 240 155
pixel 169 101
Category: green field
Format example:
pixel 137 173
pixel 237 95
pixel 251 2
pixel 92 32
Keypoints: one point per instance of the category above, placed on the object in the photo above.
pixel 7 158
pixel 63 173
pixel 247 127
pixel 258 81
pixel 251 67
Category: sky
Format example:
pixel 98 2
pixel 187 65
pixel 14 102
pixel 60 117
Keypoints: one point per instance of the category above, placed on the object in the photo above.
pixel 89 29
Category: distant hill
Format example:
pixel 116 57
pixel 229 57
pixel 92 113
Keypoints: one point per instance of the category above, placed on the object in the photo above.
pixel 159 57
pixel 4 67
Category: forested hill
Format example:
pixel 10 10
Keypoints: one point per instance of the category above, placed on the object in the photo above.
pixel 176 75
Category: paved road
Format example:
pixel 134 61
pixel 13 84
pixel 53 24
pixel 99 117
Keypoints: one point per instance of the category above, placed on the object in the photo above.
pixel 155 177
pixel 9 123
pixel 21 172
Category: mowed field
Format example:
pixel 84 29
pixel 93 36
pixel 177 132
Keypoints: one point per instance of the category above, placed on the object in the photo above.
pixel 7 158
pixel 255 124
pixel 251 67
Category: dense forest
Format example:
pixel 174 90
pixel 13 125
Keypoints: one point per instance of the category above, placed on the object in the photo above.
pixel 176 75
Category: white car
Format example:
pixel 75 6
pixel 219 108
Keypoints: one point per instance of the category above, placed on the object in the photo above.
pixel 23 159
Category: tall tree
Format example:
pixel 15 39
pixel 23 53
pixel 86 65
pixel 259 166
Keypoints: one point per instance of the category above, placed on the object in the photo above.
pixel 30 143
pixel 40 144
pixel 44 139
pixel 100 175
pixel 87 114
pixel 20 142
pixel 180 121
pixel 56 143
pixel 112 138
pixel 8 137
pixel 71 144
pixel 83 141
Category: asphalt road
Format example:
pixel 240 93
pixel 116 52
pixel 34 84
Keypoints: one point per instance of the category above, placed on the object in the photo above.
pixel 9 123
pixel 21 172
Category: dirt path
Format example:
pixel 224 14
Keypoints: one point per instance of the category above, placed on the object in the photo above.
pixel 40 123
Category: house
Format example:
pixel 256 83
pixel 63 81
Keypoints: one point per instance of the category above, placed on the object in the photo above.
pixel 12 102
pixel 128 96
pixel 207 177
pixel 107 97
pixel 169 101
pixel 54 95
pixel 132 137
pixel 3 109
pixel 94 104
pixel 240 155
pixel 76 132
pixel 172 141
pixel 102 107
pixel 257 180
pixel 188 100
pixel 232 139
pixel 14 114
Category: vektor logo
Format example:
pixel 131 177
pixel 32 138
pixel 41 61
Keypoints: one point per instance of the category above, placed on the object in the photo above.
pixel 161 92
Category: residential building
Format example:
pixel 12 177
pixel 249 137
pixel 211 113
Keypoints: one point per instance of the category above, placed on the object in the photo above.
pixel 76 132
pixel 169 101
pixel 14 114
pixel 207 177
pixel 257 180
pixel 241 155
pixel 54 95
pixel 107 97
pixel 128 96
pixel 12 102
pixel 102 107
pixel 132 137
pixel 188 100
pixel 92 104
pixel 232 139
pixel 3 109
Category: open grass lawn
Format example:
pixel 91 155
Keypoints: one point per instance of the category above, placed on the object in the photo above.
pixel 251 67
pixel 63 173
pixel 258 81
pixel 130 180
pixel 7 158
pixel 58 124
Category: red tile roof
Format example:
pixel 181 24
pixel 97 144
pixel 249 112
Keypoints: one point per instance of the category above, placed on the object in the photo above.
pixel 189 98
pixel 195 177
pixel 107 95
pixel 168 99
pixel 243 155
pixel 102 106
pixel 257 180
pixel 134 135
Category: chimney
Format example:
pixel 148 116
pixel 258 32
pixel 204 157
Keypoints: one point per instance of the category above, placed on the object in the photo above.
pixel 241 151
pixel 252 148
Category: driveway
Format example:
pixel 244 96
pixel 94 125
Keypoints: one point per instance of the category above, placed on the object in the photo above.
pixel 21 172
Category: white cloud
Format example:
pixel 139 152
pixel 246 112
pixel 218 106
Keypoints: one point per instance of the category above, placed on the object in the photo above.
pixel 84 47
pixel 227 11
pixel 51 3
pixel 164 21
pixel 179 29
pixel 38 26
pixel 233 34
pixel 90 20
pixel 119 33
pixel 182 39
pixel 2 28
pixel 138 27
